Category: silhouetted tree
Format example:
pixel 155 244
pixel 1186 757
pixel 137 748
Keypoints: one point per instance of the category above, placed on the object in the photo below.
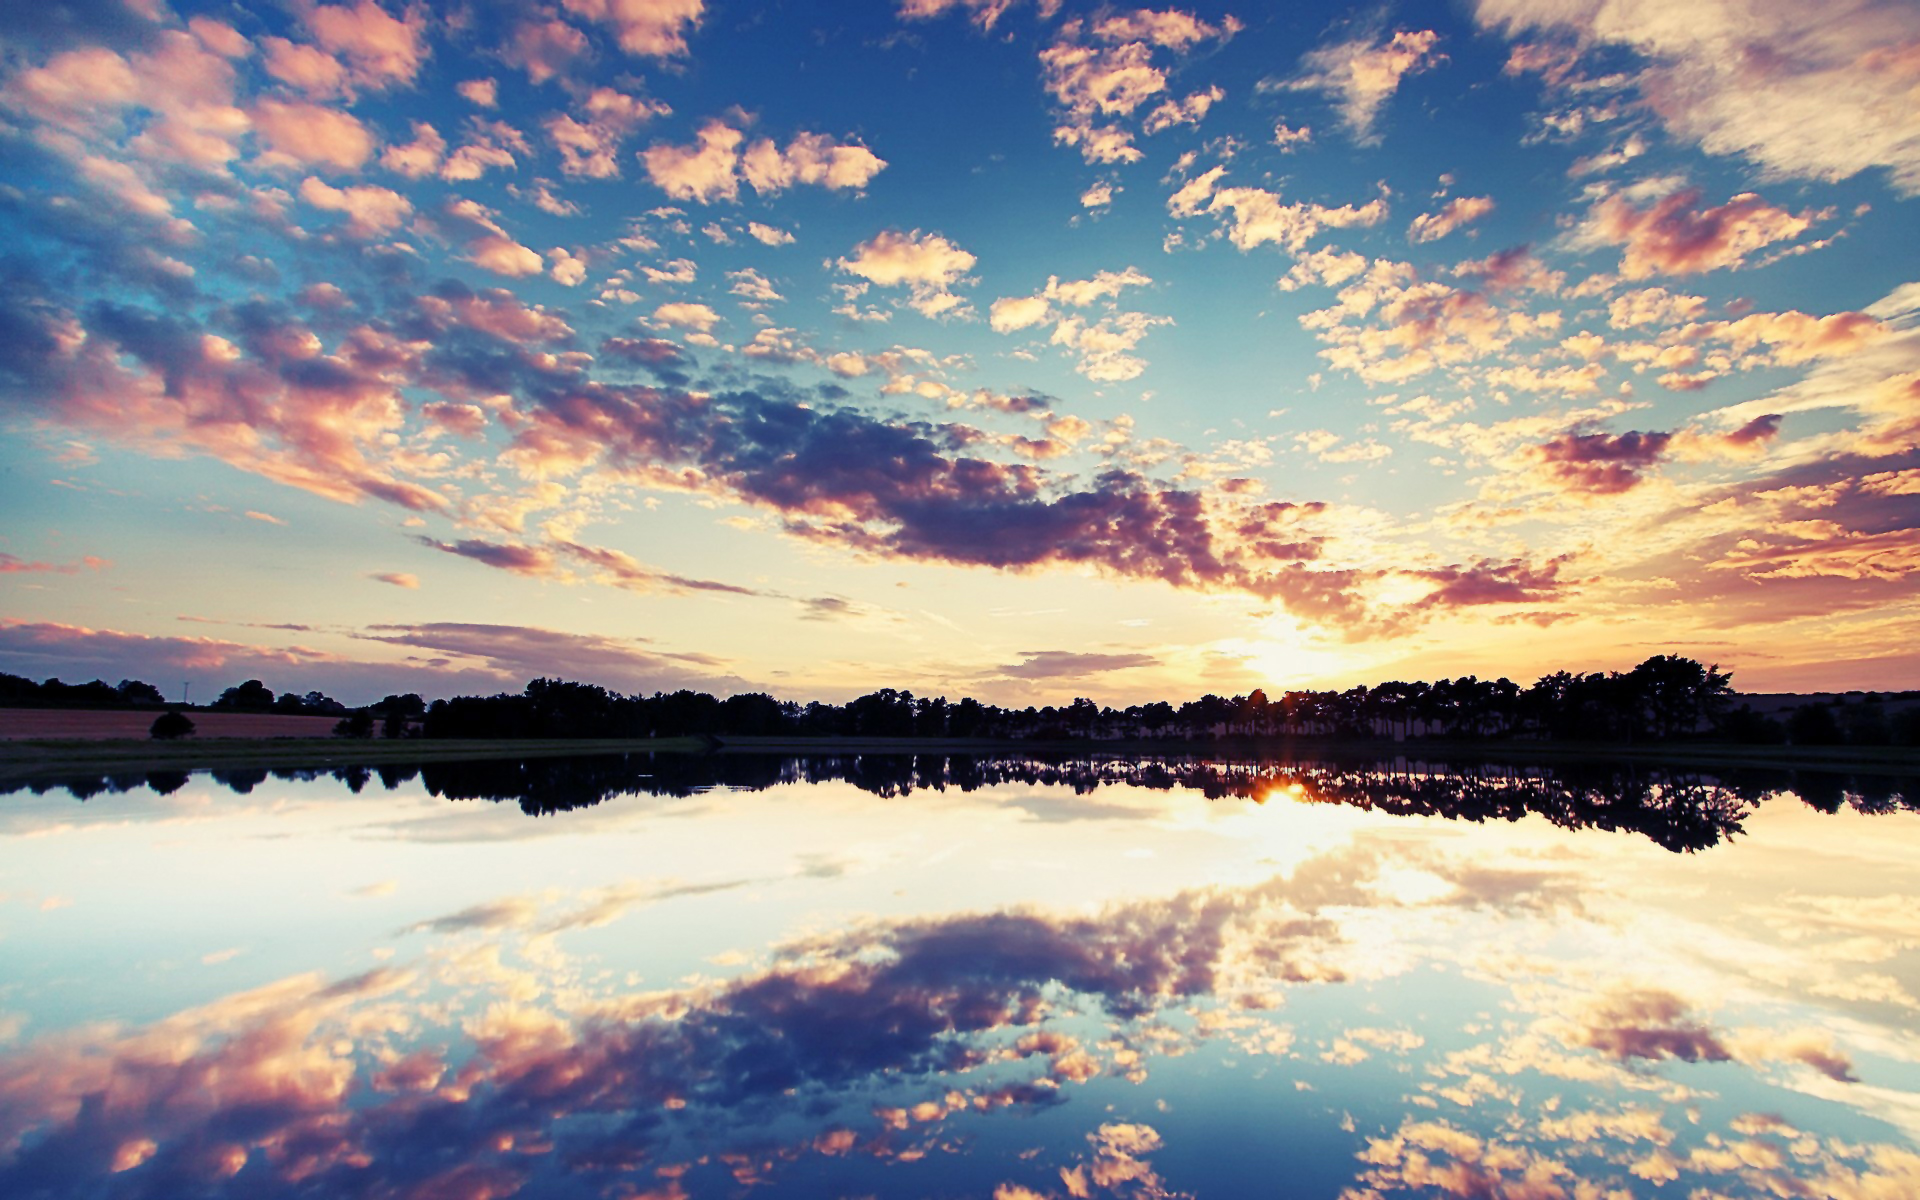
pixel 1676 696
pixel 1814 725
pixel 251 696
pixel 133 691
pixel 1749 728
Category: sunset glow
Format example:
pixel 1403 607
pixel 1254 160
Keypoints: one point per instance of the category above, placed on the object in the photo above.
pixel 1022 351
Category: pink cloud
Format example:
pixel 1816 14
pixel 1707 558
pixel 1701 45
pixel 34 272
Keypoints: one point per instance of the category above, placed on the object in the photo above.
pixel 496 311
pixel 1673 238
pixel 381 49
pixel 1363 74
pixel 308 68
pixel 296 133
pixel 1808 91
pixel 419 158
pixel 14 565
pixel 589 144
pixel 485 93
pixel 371 211
pixel 504 256
pixel 543 49
pixel 1462 210
pixel 646 28
pixel 714 166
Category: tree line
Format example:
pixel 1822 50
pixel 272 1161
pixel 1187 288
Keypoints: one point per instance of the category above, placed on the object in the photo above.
pixel 1665 698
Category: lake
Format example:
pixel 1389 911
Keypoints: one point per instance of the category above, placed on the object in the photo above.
pixel 681 976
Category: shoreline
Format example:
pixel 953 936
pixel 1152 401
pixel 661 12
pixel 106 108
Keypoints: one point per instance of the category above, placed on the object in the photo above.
pixel 22 761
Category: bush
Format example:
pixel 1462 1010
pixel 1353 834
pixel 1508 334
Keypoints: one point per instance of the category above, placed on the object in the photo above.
pixel 170 725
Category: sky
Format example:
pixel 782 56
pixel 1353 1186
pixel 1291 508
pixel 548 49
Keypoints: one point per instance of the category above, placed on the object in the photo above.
pixel 1016 350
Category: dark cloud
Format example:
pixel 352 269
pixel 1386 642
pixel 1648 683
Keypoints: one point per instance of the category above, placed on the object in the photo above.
pixel 1650 1024
pixel 1490 582
pixel 1066 664
pixel 828 608
pixel 1760 429
pixel 1603 464
pixel 523 560
pixel 52 25
pixel 522 652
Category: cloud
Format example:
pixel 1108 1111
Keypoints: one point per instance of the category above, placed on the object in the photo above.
pixel 1011 313
pixel 508 912
pixel 483 93
pixel 590 143
pixel 419 158
pixel 533 561
pixel 768 235
pixel 1363 74
pixel 984 13
pixel 543 48
pixel 503 256
pixel 1653 306
pixel 1461 210
pixel 381 50
pixel 1258 217
pixel 893 258
pixel 1067 664
pixel 40 649
pixel 928 264
pixel 371 211
pixel 399 579
pixel 1104 346
pixel 14 565
pixel 497 312
pixel 518 652
pixel 1601 463
pixel 714 166
pixel 298 134
pixel 1108 72
pixel 1810 92
pixel 1671 238
pixel 306 68
pixel 273 400
pixel 645 28
pixel 1488 581
pixel 1650 1024
pixel 685 315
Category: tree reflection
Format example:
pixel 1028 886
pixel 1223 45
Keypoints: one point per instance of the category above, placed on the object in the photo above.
pixel 1680 809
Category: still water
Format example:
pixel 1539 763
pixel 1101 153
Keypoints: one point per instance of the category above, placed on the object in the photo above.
pixel 712 977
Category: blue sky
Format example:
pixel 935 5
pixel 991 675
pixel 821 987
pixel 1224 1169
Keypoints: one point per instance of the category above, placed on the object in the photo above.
pixel 1020 350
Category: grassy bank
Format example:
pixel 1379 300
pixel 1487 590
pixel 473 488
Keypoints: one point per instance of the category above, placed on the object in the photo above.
pixel 26 760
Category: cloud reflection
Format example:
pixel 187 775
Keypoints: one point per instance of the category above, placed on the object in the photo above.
pixel 490 1069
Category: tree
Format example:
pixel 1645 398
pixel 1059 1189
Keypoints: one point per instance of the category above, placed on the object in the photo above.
pixel 170 725
pixel 1814 725
pixel 397 711
pixel 252 696
pixel 358 725
pixel 133 691
pixel 1675 695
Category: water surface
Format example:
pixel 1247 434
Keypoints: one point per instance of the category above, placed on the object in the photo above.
pixel 880 976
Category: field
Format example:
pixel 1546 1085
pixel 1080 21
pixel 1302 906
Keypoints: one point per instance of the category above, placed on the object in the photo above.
pixel 73 724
